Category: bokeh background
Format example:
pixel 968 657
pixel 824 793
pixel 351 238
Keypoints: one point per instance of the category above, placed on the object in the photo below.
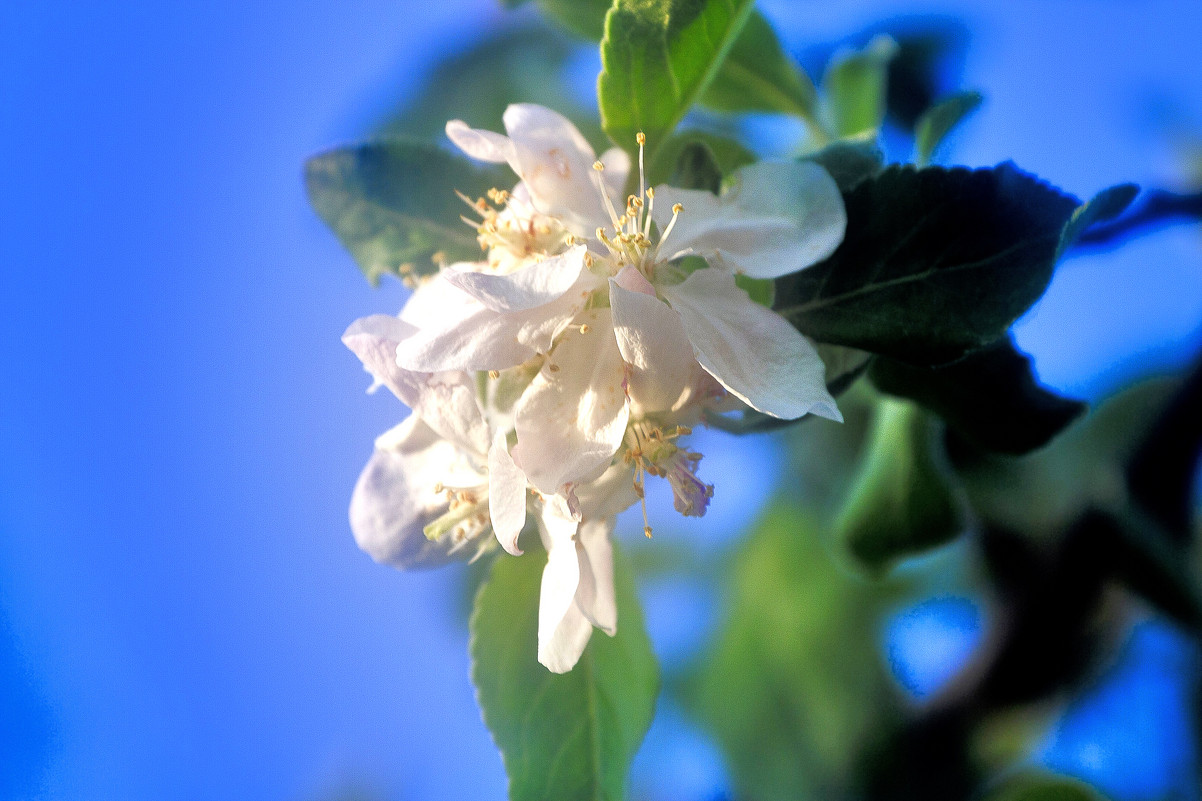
pixel 183 612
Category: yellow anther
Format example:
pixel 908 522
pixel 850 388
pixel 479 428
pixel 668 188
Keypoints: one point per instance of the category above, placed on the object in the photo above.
pixel 553 368
pixel 438 488
pixel 677 208
pixel 494 374
pixel 584 328
pixel 651 191
pixel 598 166
pixel 647 531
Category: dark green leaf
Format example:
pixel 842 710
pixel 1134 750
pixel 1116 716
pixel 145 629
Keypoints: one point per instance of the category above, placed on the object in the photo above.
pixel 567 737
pixel 990 397
pixel 935 264
pixel 793 687
pixel 759 76
pixel 582 17
pixel 658 57
pixel 849 162
pixel 939 120
pixel 1105 205
pixel 854 87
pixel 697 168
pixel 527 63
pixel 929 61
pixel 393 204
pixel 1043 787
pixel 901 503
pixel 728 154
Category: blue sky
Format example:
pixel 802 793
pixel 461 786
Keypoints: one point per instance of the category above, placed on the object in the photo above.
pixel 183 612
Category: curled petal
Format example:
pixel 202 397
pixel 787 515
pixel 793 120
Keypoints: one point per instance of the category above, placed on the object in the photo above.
pixel 556 163
pixel 652 340
pixel 484 339
pixel 534 285
pixel 751 350
pixel 394 498
pixel 572 417
pixel 480 144
pixel 595 595
pixel 563 629
pixel 445 400
pixel 777 218
pixel 506 495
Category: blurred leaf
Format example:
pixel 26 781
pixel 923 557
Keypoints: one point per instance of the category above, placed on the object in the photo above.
pixel 697 168
pixel 393 204
pixel 990 397
pixel 793 687
pixel 928 64
pixel 939 120
pixel 760 290
pixel 1040 494
pixel 1043 787
pixel 728 154
pixel 1105 205
pixel 936 262
pixel 569 736
pixel 902 502
pixel 759 76
pixel 849 161
pixel 524 64
pixel 854 87
pixel 658 57
pixel 584 18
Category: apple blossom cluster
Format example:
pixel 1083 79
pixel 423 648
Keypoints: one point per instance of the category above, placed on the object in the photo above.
pixel 551 378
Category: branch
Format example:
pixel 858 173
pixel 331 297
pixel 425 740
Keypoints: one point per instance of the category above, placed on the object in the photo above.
pixel 1159 208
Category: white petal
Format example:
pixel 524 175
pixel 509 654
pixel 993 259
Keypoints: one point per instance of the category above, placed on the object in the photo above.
pixel 480 144
pixel 446 400
pixel 556 164
pixel 595 595
pixel 652 340
pixel 506 495
pixel 617 167
pixel 485 339
pixel 394 499
pixel 572 417
pixel 563 630
pixel 611 493
pixel 535 285
pixel 751 350
pixel 436 300
pixel 777 218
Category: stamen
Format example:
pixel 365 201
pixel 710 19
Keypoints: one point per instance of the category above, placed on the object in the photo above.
pixel 598 168
pixel 641 138
pixel 676 210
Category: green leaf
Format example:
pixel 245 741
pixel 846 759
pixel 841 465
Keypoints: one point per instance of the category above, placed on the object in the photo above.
pixel 567 737
pixel 1043 787
pixel 990 397
pixel 582 17
pixel 728 154
pixel 936 262
pixel 657 58
pixel 939 120
pixel 793 688
pixel 854 87
pixel 1105 205
pixel 393 204
pixel 759 76
pixel 697 168
pixel 849 161
pixel 902 502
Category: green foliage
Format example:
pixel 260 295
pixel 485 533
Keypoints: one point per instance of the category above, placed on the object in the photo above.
pixel 728 155
pixel 854 87
pixel 759 76
pixel 1105 205
pixel 936 262
pixel 697 168
pixel 567 737
pixel 939 120
pixel 990 397
pixel 849 161
pixel 516 64
pixel 1032 786
pixel 658 57
pixel 793 687
pixel 392 204
pixel 902 502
